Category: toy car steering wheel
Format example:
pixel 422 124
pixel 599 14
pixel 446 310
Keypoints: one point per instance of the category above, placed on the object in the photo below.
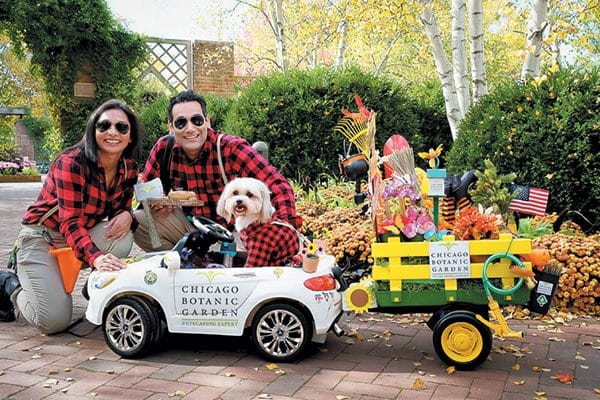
pixel 213 229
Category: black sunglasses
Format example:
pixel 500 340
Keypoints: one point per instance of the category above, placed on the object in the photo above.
pixel 104 125
pixel 181 122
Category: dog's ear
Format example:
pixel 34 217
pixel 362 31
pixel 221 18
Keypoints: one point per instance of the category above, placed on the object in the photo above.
pixel 267 210
pixel 221 206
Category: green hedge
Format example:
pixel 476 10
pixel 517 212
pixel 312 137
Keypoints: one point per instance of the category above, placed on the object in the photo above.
pixel 295 113
pixel 547 133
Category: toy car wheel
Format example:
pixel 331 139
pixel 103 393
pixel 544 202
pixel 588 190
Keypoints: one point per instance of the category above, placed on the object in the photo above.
pixel 461 340
pixel 281 332
pixel 129 327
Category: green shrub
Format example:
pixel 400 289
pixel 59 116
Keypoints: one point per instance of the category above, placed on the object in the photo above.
pixel 547 133
pixel 154 117
pixel 295 113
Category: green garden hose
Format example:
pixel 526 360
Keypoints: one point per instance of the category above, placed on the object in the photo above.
pixel 487 285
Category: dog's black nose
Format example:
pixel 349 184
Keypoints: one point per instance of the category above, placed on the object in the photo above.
pixel 238 202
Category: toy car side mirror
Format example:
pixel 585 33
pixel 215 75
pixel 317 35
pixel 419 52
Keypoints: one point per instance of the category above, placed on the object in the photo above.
pixel 171 261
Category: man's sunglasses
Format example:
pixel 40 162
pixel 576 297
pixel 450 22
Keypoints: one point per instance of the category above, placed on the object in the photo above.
pixel 104 125
pixel 181 122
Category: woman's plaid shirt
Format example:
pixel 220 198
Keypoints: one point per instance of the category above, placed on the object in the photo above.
pixel 84 199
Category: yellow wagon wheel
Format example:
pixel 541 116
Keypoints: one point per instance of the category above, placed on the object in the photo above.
pixel 461 340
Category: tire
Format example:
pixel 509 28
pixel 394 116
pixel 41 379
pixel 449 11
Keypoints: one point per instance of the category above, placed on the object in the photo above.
pixel 281 333
pixel 460 340
pixel 129 327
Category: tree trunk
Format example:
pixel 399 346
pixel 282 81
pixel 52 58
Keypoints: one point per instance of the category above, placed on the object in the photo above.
pixel 339 59
pixel 442 66
pixel 459 56
pixel 280 39
pixel 478 71
pixel 535 35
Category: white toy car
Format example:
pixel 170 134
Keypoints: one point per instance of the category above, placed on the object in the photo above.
pixel 283 309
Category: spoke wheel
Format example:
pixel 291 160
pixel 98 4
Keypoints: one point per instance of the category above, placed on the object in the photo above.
pixel 461 340
pixel 130 327
pixel 281 332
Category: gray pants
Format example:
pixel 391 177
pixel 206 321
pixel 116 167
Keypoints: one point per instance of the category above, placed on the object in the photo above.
pixel 41 298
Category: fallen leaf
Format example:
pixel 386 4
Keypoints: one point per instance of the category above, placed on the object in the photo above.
pixel 564 377
pixel 340 397
pixel 69 379
pixel 349 341
pixel 52 372
pixel 546 369
pixel 264 396
pixel 597 390
pixel 37 348
pixel 271 366
pixel 323 350
pixel 387 332
pixel 67 370
pixel 357 335
pixel 580 358
pixel 418 384
pixel 450 370
pixel 36 356
pixel 556 339
pixel 52 381
pixel 1 372
pixel 64 390
pixel 536 368
pixel 93 394
pixel 540 393
pixel 416 364
pixel 540 398
pixel 110 372
pixel 180 393
pixel 519 382
pixel 516 367
pixel 92 358
pixel 584 367
pixel 280 372
pixel 46 386
pixel 229 374
pixel 421 372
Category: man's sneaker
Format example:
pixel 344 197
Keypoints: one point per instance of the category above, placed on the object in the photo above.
pixel 8 284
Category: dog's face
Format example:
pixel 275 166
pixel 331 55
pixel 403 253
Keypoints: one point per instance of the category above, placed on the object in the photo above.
pixel 246 199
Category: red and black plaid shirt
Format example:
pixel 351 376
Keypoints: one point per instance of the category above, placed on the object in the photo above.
pixel 269 244
pixel 80 190
pixel 203 174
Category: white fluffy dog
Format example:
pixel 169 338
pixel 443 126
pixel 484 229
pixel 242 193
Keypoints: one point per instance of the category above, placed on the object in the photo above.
pixel 268 243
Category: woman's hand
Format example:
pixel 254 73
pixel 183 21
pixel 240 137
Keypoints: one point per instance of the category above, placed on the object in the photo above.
pixel 119 226
pixel 108 262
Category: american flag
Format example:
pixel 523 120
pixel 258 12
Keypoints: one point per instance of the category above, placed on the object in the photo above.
pixel 529 200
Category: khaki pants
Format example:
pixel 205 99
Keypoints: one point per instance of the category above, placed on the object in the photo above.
pixel 41 298
pixel 171 229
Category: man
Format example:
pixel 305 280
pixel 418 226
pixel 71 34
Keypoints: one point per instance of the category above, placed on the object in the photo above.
pixel 194 166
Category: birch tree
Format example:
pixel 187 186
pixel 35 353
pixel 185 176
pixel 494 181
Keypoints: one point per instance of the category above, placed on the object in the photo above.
pixel 536 28
pixel 478 66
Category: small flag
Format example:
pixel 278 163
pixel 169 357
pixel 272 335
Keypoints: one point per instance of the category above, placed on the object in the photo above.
pixel 529 200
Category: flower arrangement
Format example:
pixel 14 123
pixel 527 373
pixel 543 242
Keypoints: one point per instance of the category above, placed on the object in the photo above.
pixel 18 167
pixel 475 223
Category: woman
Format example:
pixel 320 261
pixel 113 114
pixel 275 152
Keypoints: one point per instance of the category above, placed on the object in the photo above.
pixel 85 203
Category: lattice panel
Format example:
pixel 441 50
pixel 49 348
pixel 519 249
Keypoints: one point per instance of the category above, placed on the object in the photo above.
pixel 170 61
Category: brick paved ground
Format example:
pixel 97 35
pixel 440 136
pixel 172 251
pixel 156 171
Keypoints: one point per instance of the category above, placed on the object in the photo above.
pixel 78 364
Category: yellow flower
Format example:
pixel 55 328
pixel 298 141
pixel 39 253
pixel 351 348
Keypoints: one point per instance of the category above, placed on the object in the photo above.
pixel 431 155
pixel 312 248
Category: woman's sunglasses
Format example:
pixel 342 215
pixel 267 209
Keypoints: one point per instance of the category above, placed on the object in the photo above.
pixel 181 122
pixel 104 125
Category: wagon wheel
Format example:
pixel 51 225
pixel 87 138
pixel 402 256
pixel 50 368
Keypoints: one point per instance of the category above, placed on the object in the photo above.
pixel 461 340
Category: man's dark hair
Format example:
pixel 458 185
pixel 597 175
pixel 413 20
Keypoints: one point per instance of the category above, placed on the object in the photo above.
pixel 185 97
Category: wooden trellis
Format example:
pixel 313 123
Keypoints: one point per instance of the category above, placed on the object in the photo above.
pixel 170 61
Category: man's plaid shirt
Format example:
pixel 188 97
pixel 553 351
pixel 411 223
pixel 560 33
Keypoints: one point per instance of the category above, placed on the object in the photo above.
pixel 269 244
pixel 203 175
pixel 80 190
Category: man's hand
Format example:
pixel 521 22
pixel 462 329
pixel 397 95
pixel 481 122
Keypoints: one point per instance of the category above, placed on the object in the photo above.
pixel 119 226
pixel 108 262
pixel 161 211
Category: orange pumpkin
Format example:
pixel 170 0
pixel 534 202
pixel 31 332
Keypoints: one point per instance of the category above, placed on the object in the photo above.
pixel 539 257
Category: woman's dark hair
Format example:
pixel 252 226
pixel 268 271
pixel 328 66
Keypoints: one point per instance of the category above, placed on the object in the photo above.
pixel 185 97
